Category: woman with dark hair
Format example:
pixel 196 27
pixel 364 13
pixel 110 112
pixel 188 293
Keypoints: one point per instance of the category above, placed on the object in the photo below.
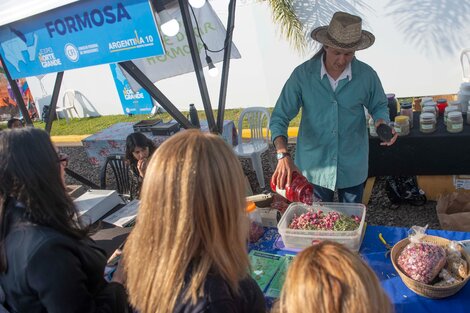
pixel 14 123
pixel 47 261
pixel 139 149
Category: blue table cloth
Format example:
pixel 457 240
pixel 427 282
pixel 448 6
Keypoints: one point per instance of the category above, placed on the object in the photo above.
pixel 373 251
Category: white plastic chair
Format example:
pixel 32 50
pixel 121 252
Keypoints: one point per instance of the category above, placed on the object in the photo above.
pixel 68 105
pixel 257 118
pixel 465 54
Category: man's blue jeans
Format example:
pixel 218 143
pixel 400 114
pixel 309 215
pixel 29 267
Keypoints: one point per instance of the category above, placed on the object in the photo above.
pixel 345 195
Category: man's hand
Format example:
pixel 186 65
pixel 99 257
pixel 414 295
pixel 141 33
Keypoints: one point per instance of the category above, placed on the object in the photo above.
pixel 395 135
pixel 283 173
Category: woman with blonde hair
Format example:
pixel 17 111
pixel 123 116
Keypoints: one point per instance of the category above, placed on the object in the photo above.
pixel 187 252
pixel 329 278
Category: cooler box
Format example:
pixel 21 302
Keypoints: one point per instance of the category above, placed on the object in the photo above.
pixel 300 239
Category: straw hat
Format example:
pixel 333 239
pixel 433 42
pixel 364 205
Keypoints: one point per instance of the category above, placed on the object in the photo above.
pixel 344 32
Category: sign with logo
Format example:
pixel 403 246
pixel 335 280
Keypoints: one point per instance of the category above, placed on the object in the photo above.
pixel 80 34
pixel 177 59
pixel 138 102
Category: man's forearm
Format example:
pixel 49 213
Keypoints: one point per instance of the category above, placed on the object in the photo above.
pixel 280 143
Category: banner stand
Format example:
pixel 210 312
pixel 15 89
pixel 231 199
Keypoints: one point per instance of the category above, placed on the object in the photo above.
pixel 226 65
pixel 188 25
pixel 55 97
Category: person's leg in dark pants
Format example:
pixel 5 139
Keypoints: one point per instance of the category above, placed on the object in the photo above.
pixel 323 194
pixel 351 194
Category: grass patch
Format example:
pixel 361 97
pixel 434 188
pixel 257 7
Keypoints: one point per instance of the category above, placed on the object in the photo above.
pixel 91 125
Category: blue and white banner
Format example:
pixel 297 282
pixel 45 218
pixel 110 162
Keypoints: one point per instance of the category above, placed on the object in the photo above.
pixel 138 102
pixel 80 34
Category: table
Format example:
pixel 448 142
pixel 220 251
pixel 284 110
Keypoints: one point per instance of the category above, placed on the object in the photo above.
pixel 438 153
pixel 112 140
pixel 373 252
pixel 108 236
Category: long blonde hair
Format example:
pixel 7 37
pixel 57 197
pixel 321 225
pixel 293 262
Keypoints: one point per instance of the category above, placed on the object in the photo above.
pixel 329 278
pixel 191 217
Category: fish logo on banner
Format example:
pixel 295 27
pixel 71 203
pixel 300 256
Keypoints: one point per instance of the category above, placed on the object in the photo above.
pixel 80 34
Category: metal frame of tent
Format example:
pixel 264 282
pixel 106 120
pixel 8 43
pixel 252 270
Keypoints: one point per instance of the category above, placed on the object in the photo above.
pixel 148 85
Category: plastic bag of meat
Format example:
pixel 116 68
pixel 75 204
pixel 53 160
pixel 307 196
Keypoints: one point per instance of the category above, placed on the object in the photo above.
pixel 421 261
pixel 456 264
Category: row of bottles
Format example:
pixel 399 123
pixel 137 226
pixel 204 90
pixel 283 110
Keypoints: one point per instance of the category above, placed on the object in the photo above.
pixel 452 112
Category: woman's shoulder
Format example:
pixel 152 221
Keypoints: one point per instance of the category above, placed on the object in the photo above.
pixel 33 237
pixel 219 297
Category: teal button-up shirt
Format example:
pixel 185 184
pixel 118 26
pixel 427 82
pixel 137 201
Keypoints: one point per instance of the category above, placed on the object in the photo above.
pixel 332 145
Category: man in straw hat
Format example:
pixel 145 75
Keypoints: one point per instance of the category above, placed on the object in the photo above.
pixel 332 89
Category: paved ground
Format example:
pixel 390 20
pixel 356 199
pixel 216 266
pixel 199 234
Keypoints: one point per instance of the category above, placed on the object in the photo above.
pixel 379 210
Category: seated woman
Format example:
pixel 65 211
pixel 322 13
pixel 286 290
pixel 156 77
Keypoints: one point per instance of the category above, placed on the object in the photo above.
pixel 139 149
pixel 187 252
pixel 329 278
pixel 48 263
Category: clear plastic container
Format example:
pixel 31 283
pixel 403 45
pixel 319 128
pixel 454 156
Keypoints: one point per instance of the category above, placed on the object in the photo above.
pixel 426 99
pixel 256 223
pixel 299 239
pixel 428 109
pixel 427 106
pixel 427 123
pixel 402 125
pixel 372 130
pixel 406 109
pixel 448 109
pixel 454 122
pixel 457 103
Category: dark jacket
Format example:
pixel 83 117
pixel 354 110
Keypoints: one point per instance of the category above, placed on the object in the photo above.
pixel 48 271
pixel 218 298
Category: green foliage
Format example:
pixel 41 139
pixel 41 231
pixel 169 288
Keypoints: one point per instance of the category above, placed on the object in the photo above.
pixel 290 25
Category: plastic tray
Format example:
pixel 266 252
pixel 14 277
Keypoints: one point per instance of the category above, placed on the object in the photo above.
pixel 299 239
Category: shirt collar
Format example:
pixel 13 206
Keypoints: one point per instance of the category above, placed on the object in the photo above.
pixel 346 73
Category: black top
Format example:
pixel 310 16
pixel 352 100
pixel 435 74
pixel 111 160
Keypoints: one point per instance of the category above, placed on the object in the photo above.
pixel 48 271
pixel 218 298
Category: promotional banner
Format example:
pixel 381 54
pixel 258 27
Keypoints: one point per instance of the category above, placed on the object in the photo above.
pixel 138 102
pixel 80 34
pixel 8 105
pixel 177 59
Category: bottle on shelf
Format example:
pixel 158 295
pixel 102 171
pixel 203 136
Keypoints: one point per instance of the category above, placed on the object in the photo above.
pixel 300 189
pixel 406 109
pixel 193 117
pixel 392 105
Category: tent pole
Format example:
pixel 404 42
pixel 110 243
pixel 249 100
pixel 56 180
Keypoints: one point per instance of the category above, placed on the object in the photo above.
pixel 226 65
pixel 188 26
pixel 140 77
pixel 55 97
pixel 17 94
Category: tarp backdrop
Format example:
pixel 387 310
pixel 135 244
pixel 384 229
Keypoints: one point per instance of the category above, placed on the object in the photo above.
pixel 177 59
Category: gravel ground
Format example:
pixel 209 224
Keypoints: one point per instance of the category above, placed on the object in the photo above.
pixel 379 210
